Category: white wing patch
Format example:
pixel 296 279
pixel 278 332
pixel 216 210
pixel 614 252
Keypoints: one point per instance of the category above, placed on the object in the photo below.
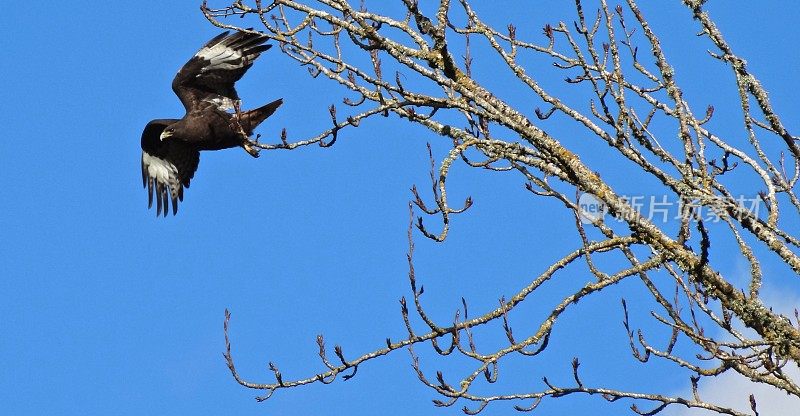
pixel 221 57
pixel 161 178
pixel 159 169
pixel 223 103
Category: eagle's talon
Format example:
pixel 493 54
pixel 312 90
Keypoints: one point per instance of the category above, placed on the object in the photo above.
pixel 251 149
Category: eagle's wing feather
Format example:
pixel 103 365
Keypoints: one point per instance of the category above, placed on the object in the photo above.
pixel 167 166
pixel 211 73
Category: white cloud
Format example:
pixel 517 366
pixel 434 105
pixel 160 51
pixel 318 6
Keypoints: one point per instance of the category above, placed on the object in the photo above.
pixel 733 390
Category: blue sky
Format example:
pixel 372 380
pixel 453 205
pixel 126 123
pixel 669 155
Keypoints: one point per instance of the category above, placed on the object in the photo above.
pixel 108 310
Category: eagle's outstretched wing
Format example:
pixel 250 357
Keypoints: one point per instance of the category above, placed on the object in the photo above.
pixel 167 166
pixel 210 74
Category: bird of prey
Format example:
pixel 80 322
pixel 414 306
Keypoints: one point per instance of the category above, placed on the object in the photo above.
pixel 205 85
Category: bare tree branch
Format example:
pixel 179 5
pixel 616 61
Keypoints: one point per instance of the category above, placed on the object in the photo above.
pixel 631 96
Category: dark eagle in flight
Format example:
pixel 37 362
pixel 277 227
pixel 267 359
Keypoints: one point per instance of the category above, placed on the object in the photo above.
pixel 205 85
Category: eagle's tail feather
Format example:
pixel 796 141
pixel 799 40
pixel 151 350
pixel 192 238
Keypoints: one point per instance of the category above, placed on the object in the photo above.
pixel 252 118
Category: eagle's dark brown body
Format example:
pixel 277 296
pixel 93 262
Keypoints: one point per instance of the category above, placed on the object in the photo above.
pixel 213 129
pixel 205 85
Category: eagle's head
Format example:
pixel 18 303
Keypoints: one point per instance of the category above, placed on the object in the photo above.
pixel 178 130
pixel 168 132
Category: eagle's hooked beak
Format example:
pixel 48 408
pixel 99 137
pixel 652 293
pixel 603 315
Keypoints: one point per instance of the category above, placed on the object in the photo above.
pixel 165 134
